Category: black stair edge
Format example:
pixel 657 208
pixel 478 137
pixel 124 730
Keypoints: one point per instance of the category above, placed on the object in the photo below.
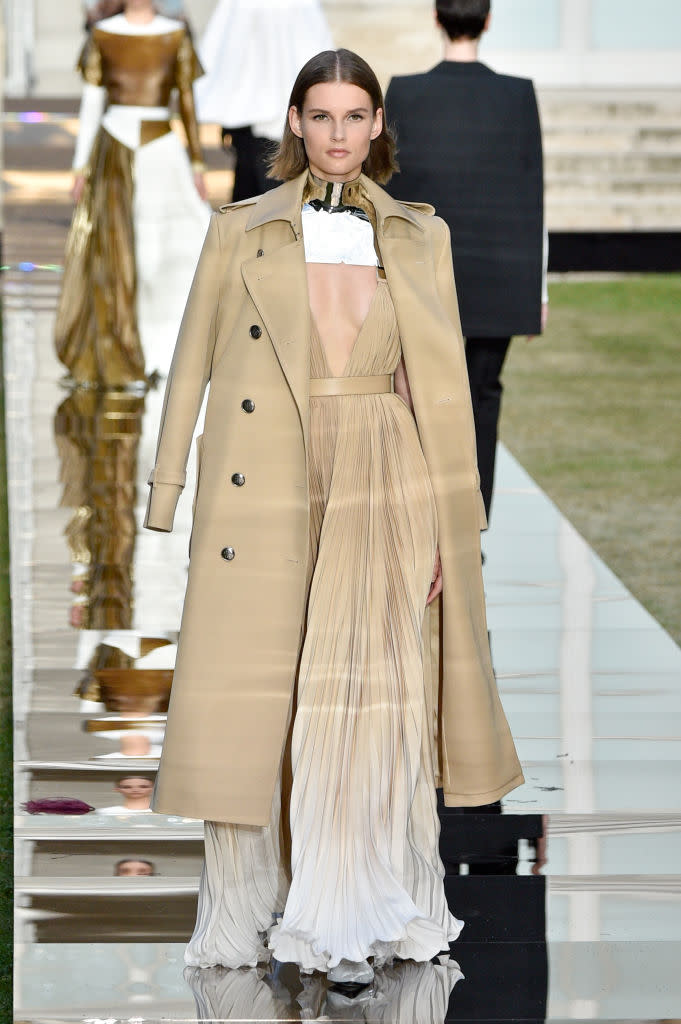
pixel 630 252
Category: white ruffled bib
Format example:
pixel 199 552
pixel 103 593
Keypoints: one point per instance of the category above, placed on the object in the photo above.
pixel 337 238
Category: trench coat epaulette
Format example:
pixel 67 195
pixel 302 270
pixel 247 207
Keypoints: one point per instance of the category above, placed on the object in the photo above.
pixel 235 206
pixel 424 208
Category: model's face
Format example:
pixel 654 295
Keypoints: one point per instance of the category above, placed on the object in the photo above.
pixel 135 788
pixel 138 6
pixel 337 124
pixel 134 867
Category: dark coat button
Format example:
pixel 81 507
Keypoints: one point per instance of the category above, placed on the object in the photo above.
pixel 248 405
pixel 261 252
pixel 228 554
pixel 255 331
pixel 238 479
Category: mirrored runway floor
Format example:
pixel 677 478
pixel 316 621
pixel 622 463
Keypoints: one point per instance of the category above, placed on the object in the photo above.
pixel 571 896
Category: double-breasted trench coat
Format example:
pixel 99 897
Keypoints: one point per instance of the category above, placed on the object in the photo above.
pixel 246 330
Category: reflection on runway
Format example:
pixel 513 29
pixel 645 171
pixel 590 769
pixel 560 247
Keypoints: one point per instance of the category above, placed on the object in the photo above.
pixel 570 891
pixel 406 993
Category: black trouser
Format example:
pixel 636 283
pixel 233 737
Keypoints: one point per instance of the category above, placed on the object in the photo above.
pixel 485 359
pixel 252 155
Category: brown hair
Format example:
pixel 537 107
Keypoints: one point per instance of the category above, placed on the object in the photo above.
pixel 290 158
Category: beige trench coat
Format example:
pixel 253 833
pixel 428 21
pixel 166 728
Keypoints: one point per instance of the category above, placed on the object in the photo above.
pixel 246 330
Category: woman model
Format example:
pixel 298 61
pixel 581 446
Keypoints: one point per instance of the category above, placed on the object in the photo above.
pixel 320 690
pixel 141 215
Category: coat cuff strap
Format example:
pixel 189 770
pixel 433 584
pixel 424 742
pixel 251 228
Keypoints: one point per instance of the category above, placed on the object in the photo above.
pixel 162 476
pixel 161 507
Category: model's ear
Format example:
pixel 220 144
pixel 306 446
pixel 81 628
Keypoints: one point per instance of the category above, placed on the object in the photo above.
pixel 377 126
pixel 488 22
pixel 295 122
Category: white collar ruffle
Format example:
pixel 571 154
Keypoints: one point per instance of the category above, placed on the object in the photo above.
pixel 337 238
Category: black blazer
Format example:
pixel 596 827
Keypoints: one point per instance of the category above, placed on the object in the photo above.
pixel 469 142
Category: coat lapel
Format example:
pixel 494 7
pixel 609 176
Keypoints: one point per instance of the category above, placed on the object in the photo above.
pixel 277 283
pixel 409 269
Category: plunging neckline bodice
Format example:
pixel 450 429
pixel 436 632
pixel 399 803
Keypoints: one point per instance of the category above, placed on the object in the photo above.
pixel 356 363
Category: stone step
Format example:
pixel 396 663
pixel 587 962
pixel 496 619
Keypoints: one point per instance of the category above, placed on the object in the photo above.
pixel 599 213
pixel 644 165
pixel 576 186
pixel 639 106
pixel 612 138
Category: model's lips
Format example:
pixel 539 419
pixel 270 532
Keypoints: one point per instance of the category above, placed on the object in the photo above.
pixel 338 152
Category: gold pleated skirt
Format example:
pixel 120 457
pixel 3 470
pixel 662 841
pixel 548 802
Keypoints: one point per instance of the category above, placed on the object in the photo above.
pixel 96 334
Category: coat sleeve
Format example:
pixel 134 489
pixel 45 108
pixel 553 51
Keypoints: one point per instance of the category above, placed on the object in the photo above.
pixel 189 375
pixel 446 287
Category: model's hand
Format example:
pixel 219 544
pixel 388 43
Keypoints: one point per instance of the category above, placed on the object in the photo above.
pixel 436 583
pixel 544 320
pixel 200 184
pixel 77 187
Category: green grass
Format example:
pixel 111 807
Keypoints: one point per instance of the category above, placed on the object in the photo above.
pixel 591 410
pixel 6 855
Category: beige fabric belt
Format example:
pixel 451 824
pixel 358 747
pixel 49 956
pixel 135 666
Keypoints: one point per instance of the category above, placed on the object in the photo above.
pixel 327 387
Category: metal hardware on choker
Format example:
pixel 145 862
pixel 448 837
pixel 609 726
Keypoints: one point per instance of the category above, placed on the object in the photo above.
pixel 318 205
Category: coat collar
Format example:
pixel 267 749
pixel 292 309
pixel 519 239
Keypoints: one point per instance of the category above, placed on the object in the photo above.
pixel 285 202
pixel 462 67
pixel 277 280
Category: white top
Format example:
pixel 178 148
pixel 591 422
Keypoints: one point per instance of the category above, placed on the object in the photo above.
pixel 252 51
pixel 157 26
pixel 337 238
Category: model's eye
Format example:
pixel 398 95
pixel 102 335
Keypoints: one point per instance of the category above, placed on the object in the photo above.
pixel 356 117
pixel 319 117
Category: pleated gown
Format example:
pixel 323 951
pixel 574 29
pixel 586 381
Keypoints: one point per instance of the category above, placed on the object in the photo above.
pixel 364 876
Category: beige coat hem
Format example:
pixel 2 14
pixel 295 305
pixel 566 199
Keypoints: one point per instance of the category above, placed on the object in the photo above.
pixel 453 799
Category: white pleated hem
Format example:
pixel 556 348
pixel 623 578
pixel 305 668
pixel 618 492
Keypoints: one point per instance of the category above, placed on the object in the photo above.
pixel 217 958
pixel 420 941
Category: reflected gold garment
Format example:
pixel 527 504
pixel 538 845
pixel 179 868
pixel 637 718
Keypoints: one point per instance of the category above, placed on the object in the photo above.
pixel 97 436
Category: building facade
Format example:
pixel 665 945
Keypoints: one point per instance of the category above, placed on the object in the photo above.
pixel 573 43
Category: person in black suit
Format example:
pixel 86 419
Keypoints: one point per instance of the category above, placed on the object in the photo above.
pixel 469 143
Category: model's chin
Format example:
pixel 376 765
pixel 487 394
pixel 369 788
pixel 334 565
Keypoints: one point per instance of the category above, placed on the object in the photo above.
pixel 340 166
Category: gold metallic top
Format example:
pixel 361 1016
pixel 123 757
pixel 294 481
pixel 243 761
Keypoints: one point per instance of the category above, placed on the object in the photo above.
pixel 142 71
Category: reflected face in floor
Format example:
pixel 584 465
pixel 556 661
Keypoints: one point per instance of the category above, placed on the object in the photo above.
pixel 131 868
pixel 136 792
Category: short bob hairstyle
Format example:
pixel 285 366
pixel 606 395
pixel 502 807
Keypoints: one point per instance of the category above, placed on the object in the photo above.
pixel 290 159
pixel 462 19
